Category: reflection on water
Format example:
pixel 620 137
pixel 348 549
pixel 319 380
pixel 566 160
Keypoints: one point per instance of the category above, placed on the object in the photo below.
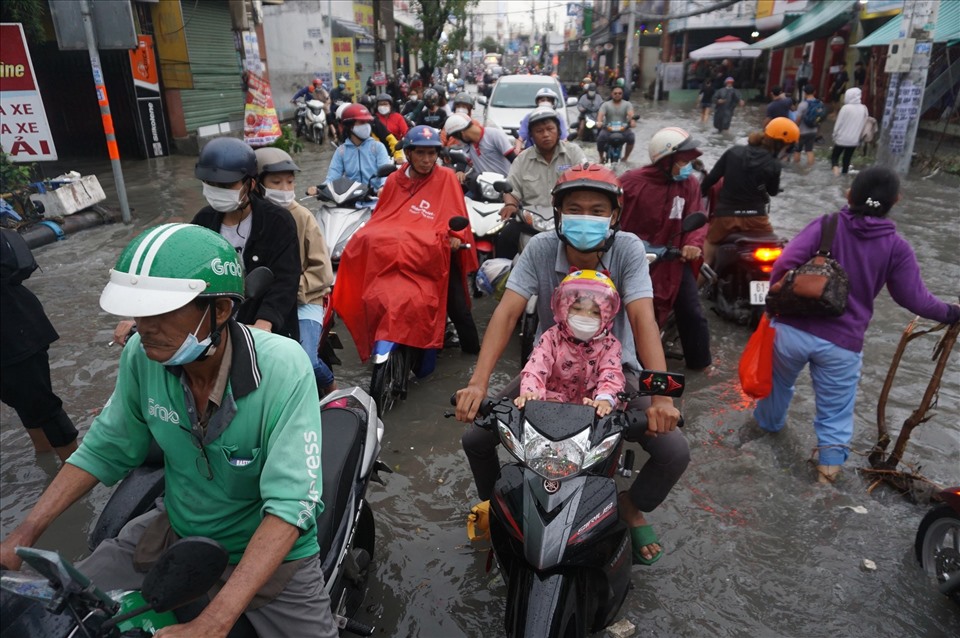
pixel 754 546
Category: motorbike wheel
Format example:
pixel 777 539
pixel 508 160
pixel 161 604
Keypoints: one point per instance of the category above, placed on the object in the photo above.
pixel 388 379
pixel 528 330
pixel 937 545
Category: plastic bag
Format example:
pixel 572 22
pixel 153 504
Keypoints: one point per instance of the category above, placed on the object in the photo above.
pixel 756 362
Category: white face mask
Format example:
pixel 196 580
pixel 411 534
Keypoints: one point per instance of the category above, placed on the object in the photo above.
pixel 583 328
pixel 222 200
pixel 279 197
pixel 362 131
pixel 383 110
pixel 463 110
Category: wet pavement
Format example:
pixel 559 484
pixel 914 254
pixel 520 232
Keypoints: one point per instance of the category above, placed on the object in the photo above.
pixel 754 547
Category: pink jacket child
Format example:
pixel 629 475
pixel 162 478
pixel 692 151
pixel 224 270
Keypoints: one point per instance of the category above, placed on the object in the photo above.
pixel 578 359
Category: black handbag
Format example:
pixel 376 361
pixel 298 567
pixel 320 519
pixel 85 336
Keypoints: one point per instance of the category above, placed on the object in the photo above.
pixel 818 288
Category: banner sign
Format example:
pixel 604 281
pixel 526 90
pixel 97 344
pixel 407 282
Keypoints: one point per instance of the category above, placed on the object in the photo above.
pixel 24 132
pixel 261 126
pixel 344 63
pixel 151 124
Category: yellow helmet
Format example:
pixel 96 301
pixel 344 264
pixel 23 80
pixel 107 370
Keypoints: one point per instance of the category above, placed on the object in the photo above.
pixel 783 129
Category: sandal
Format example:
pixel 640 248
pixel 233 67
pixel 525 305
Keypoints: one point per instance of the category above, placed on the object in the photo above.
pixel 641 537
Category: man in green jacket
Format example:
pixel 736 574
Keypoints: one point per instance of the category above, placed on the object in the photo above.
pixel 234 411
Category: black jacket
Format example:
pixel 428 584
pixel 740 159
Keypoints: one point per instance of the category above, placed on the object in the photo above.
pixel 751 175
pixel 272 243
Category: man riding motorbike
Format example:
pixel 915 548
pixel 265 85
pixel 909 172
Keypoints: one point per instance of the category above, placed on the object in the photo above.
pixel 615 110
pixel 489 149
pixel 589 104
pixel 545 98
pixel 587 200
pixel 359 157
pixel 657 198
pixel 433 114
pixel 397 279
pixel 231 409
pixel 533 173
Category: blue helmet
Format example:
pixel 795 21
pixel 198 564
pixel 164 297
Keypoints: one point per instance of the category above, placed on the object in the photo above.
pixel 422 136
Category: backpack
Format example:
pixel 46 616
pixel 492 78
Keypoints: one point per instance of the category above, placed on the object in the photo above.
pixel 16 260
pixel 815 114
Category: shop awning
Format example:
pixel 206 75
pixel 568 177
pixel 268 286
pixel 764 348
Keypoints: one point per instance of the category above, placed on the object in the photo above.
pixel 407 20
pixel 348 29
pixel 725 47
pixel 821 20
pixel 948 28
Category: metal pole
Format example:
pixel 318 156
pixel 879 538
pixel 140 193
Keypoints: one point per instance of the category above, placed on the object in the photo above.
pixel 901 113
pixel 112 149
pixel 628 53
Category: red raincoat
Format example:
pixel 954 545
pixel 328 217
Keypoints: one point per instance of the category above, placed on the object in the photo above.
pixel 653 208
pixel 393 275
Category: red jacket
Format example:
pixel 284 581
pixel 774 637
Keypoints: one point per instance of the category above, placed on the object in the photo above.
pixel 649 197
pixel 392 281
pixel 395 124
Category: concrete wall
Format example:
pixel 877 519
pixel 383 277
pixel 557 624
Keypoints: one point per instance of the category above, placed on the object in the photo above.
pixel 298 45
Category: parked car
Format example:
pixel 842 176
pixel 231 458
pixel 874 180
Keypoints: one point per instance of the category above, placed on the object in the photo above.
pixel 514 96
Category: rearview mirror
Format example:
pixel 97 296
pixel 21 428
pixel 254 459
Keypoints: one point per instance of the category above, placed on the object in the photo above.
pixel 482 99
pixel 386 169
pixel 693 221
pixel 503 187
pixel 255 284
pixel 572 101
pixel 184 572
pixel 458 223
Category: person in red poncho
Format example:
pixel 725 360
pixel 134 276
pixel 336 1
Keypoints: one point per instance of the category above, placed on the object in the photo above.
pixel 405 271
pixel 656 199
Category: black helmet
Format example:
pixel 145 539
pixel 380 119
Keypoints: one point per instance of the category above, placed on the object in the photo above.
pixel 385 97
pixel 431 97
pixel 225 160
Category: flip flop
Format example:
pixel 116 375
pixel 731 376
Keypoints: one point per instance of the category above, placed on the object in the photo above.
pixel 641 537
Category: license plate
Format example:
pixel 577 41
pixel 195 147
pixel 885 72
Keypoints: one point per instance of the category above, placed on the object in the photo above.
pixel 758 292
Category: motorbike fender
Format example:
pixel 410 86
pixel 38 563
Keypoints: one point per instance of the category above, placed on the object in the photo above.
pixel 551 604
pixel 382 351
pixel 548 518
pixel 373 435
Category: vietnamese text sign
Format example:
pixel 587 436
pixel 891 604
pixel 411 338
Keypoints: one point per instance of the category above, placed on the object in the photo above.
pixel 344 63
pixel 24 132
pixel 146 85
pixel 260 123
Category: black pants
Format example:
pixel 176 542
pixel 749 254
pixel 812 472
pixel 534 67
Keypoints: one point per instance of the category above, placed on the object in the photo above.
pixel 847 155
pixel 692 324
pixel 508 239
pixel 458 309
pixel 25 386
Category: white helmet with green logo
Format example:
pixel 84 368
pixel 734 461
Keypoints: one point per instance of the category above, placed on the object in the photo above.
pixel 167 267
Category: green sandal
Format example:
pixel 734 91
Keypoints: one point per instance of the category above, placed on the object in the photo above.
pixel 641 537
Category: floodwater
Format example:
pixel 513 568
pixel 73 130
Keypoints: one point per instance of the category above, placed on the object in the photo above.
pixel 754 547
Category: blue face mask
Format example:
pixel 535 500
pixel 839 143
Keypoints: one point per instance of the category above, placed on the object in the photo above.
pixel 585 232
pixel 684 173
pixel 191 349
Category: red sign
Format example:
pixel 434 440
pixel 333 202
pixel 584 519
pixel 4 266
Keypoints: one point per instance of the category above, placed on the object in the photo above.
pixel 24 131
pixel 143 63
pixel 261 126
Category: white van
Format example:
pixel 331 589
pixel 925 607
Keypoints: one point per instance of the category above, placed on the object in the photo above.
pixel 514 96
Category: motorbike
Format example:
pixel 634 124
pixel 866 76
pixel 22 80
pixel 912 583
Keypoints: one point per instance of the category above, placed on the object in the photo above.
pixel 483 207
pixel 64 602
pixel 657 254
pixel 393 362
pixel 554 518
pixel 315 121
pixel 739 278
pixel 589 128
pixel 937 545
pixel 301 117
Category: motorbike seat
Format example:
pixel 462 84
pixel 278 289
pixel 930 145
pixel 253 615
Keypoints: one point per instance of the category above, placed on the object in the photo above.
pixel 751 238
pixel 342 430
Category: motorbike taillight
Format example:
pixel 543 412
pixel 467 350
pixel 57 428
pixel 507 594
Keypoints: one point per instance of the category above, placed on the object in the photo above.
pixel 765 256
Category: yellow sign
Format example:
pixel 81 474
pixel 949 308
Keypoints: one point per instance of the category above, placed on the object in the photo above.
pixel 363 14
pixel 171 42
pixel 345 64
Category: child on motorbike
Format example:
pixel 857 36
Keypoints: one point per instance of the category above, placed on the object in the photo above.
pixel 578 358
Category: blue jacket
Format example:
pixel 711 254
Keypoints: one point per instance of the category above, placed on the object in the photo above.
pixel 359 163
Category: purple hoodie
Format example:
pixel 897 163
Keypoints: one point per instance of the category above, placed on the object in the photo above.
pixel 873 255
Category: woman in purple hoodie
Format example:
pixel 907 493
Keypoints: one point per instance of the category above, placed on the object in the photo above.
pixel 872 253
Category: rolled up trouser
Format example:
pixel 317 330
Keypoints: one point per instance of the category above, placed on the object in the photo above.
pixel 25 386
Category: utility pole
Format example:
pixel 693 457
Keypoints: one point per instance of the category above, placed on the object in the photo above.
pixel 105 115
pixel 628 52
pixel 901 113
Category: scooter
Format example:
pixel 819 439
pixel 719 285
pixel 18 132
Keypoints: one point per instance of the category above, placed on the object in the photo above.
pixel 669 335
pixel 738 280
pixel 937 545
pixel 483 208
pixel 64 602
pixel 315 120
pixel 301 117
pixel 589 128
pixel 554 518
pixel 393 362
pixel 615 142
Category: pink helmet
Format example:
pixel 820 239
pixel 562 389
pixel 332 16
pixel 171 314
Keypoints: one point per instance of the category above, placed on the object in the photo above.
pixel 589 284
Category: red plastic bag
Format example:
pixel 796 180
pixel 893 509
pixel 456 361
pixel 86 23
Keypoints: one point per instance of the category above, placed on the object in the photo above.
pixel 756 362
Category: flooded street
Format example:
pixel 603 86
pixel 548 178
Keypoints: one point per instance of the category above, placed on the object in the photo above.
pixel 754 547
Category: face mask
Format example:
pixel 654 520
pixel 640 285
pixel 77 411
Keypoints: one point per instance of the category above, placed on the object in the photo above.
pixel 684 173
pixel 583 328
pixel 545 103
pixel 585 232
pixel 591 93
pixel 191 349
pixel 362 131
pixel 342 86
pixel 464 111
pixel 383 110
pixel 279 197
pixel 222 200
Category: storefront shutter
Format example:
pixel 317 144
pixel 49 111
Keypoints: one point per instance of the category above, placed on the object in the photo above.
pixel 217 93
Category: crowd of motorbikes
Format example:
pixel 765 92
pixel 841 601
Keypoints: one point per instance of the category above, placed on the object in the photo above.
pixel 554 524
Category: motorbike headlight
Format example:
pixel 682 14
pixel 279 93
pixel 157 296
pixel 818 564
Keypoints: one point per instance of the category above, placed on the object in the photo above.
pixel 489 192
pixel 601 451
pixel 540 224
pixel 510 442
pixel 555 459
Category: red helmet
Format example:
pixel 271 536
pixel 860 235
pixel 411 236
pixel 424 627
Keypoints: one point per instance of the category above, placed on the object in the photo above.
pixel 317 82
pixel 588 176
pixel 356 113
